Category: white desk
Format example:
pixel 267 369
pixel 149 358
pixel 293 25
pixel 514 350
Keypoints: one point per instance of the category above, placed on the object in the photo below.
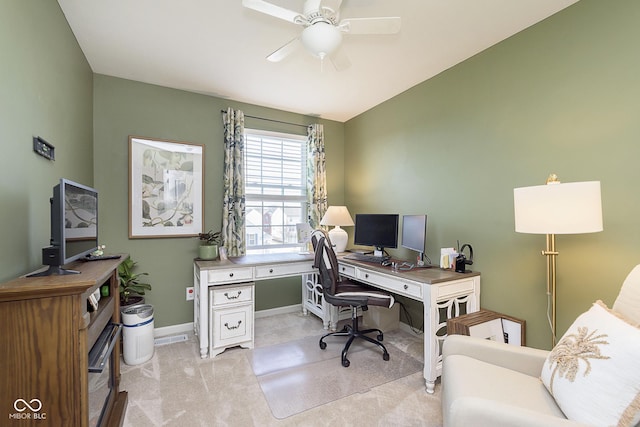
pixel 444 294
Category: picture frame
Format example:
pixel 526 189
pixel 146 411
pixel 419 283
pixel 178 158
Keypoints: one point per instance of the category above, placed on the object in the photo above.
pixel 166 188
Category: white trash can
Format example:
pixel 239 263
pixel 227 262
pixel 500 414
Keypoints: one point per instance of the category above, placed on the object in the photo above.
pixel 137 333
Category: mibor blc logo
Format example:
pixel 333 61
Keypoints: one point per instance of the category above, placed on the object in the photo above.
pixel 28 410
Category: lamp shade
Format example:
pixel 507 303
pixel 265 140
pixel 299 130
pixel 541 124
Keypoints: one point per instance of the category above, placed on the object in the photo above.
pixel 340 217
pixel 556 208
pixel 337 215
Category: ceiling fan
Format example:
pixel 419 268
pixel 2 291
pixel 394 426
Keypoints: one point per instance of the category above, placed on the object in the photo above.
pixel 322 33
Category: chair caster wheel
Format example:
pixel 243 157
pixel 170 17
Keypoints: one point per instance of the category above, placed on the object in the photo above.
pixel 323 345
pixel 380 337
pixel 345 363
pixel 385 356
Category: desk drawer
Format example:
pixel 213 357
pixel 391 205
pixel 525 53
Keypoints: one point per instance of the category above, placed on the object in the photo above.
pixel 451 289
pixel 232 325
pixel 347 270
pixel 393 284
pixel 231 275
pixel 280 270
pixel 227 295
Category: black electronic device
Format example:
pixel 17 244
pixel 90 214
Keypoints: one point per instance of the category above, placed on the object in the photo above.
pixel 414 234
pixel 377 230
pixel 462 261
pixel 74 226
pixel 101 257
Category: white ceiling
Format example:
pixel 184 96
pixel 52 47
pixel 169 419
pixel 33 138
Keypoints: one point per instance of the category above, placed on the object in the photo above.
pixel 218 47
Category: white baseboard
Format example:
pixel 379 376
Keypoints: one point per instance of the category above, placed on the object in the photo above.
pixel 188 327
pixel 278 310
pixel 173 330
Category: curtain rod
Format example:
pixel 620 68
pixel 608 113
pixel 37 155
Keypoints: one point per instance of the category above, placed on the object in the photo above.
pixel 271 120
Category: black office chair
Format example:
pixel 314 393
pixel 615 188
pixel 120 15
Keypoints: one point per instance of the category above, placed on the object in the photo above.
pixel 343 292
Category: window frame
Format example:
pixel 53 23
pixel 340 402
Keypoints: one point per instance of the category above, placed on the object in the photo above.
pixel 273 199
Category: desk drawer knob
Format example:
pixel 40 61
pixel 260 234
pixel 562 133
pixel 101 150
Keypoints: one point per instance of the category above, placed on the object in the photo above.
pixel 233 327
pixel 226 294
pixel 406 287
pixel 366 276
pixel 271 270
pixel 230 274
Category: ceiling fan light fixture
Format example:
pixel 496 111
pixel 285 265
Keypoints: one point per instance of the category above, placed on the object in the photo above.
pixel 321 39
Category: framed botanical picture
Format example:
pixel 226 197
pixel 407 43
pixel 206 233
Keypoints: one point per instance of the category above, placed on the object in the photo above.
pixel 166 188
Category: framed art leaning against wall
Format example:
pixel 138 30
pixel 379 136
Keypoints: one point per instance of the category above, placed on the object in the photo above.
pixel 166 188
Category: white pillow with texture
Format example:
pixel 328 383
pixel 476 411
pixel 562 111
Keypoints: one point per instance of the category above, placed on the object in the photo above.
pixel 593 372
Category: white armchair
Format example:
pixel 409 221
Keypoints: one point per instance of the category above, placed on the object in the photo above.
pixel 485 383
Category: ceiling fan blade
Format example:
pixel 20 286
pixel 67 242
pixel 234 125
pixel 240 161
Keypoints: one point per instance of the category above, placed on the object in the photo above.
pixel 386 25
pixel 332 5
pixel 273 10
pixel 340 60
pixel 284 51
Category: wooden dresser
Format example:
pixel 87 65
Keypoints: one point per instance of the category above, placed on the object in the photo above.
pixel 47 332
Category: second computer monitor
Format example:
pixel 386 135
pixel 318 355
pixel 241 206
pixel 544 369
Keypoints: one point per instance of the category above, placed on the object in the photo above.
pixel 414 233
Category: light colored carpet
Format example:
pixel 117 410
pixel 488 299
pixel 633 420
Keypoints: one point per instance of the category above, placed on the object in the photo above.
pixel 296 376
pixel 178 388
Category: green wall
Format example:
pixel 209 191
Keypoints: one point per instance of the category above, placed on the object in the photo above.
pixel 123 108
pixel 46 91
pixel 562 97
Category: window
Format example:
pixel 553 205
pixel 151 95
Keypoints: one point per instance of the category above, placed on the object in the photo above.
pixel 276 191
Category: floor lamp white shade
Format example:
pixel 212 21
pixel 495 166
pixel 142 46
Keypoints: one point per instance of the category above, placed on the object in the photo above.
pixel 556 208
pixel 337 216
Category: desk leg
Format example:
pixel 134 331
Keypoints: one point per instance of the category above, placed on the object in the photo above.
pixel 203 287
pixel 430 339
pixel 431 386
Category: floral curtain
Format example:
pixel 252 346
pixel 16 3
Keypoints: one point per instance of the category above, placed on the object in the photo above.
pixel 316 175
pixel 233 205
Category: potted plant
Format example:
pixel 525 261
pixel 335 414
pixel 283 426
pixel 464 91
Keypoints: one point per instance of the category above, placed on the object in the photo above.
pixel 131 289
pixel 209 243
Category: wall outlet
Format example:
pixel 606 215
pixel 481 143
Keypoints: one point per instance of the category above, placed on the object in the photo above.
pixel 190 293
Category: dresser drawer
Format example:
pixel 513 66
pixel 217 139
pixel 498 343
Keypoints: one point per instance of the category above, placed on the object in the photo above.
pixel 230 275
pixel 227 295
pixel 280 270
pixel 392 284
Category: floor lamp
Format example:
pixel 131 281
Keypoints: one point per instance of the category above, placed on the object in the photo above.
pixel 555 208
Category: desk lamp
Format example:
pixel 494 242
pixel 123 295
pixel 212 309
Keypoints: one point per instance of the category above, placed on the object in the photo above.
pixel 556 208
pixel 339 217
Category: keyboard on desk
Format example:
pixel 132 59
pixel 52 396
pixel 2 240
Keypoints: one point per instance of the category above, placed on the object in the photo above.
pixel 366 258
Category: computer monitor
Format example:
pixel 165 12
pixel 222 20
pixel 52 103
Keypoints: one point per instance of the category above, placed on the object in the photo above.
pixel 377 230
pixel 414 234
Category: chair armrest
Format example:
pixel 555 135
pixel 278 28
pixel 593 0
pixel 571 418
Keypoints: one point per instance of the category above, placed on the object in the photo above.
pixel 478 412
pixel 522 359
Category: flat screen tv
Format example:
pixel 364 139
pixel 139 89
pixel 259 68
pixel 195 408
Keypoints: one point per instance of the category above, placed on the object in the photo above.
pixel 377 230
pixel 414 233
pixel 74 226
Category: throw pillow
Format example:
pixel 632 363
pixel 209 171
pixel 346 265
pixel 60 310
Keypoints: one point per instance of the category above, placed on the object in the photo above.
pixel 593 372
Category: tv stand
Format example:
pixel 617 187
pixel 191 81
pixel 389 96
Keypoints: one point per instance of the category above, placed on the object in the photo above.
pixel 47 333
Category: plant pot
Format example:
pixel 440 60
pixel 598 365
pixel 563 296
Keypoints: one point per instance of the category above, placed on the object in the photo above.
pixel 208 251
pixel 133 299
